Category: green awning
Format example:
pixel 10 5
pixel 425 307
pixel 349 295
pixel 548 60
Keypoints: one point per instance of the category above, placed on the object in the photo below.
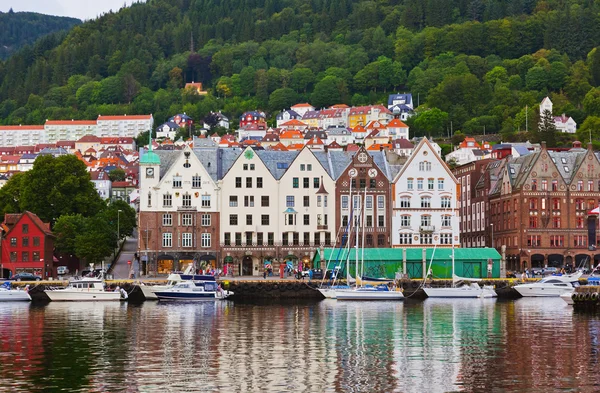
pixel 412 254
pixel 228 259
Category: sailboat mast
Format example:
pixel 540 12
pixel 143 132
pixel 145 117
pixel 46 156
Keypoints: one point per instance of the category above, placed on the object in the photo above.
pixel 362 258
pixel 351 206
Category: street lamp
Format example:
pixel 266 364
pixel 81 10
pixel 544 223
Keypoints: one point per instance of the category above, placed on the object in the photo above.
pixel 492 225
pixel 118 225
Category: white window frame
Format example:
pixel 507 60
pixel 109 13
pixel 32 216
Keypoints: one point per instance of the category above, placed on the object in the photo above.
pixel 167 240
pixel 186 240
pixel 205 220
pixel 205 200
pixel 186 220
pixel 205 240
pixel 167 220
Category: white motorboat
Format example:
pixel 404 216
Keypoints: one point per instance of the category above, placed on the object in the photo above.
pixel 174 278
pixel 85 289
pixel 193 291
pixel 568 297
pixel 380 292
pixel 13 295
pixel 549 286
pixel 464 288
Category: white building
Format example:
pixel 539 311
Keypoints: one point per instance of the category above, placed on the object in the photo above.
pixel 132 125
pixel 425 201
pixel 563 123
pixel 302 108
pixel 102 183
pixel 72 130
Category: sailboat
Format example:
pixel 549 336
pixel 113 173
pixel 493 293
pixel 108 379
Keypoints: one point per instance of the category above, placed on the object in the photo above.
pixel 462 287
pixel 367 292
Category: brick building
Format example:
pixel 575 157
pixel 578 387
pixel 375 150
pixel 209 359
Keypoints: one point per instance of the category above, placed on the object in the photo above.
pixel 472 202
pixel 539 205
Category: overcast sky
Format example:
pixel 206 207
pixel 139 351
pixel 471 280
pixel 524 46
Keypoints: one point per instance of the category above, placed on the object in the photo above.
pixel 82 9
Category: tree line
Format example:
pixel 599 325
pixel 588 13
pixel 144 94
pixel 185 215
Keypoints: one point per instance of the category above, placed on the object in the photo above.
pixel 471 65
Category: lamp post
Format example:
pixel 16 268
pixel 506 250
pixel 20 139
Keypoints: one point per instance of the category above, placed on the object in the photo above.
pixel 492 225
pixel 118 226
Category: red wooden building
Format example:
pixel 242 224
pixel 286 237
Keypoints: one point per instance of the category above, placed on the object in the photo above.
pixel 27 245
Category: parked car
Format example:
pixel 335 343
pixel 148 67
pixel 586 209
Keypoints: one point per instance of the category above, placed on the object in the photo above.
pixel 25 277
pixel 551 270
pixel 62 270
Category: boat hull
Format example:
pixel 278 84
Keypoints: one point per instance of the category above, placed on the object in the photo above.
pixel 62 295
pixel 536 291
pixel 369 295
pixel 14 296
pixel 185 297
pixel 567 298
pixel 459 292
pixel 149 290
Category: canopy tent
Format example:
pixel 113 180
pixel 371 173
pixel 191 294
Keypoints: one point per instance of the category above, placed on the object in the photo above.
pixel 385 262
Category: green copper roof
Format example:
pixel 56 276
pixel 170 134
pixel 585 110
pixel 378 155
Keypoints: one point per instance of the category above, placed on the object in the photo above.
pixel 150 158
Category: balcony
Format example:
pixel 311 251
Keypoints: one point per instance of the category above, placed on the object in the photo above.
pixel 427 228
pixel 321 227
pixel 187 208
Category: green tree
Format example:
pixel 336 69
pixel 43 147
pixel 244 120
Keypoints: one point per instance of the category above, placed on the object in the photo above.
pixel 590 129
pixel 10 193
pixel 96 242
pixel 57 186
pixel 329 91
pixel 116 174
pixel 301 79
pixel 591 102
pixel 431 122
pixel 546 129
pixel 282 99
pixel 66 229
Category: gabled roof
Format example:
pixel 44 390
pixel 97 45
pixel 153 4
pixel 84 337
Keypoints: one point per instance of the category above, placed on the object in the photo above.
pixel 10 220
pixel 278 147
pixel 89 139
pixel 402 143
pixel 396 123
pixel 315 141
pixel 302 105
pixel 422 143
pixel 294 123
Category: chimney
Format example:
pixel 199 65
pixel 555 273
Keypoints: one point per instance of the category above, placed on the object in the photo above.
pixel 576 144
pixel 543 145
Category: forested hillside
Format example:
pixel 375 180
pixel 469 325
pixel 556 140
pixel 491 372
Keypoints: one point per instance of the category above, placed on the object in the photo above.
pixel 472 65
pixel 18 29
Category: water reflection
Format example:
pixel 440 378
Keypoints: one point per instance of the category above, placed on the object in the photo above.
pixel 432 346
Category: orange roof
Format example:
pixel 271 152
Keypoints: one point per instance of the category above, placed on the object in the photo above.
pixel 125 117
pixel 71 122
pixel 339 106
pixel 380 146
pixel 375 124
pixel 296 146
pixel 21 127
pixel 193 84
pixel 294 123
pixel 352 147
pixel 279 147
pixel 302 105
pixel 334 145
pixel 315 140
pixel 396 123
pixel 467 140
pixel 359 128
pixel 291 134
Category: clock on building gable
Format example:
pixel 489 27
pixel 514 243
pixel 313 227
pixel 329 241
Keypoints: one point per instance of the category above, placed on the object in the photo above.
pixel 372 172
pixel 363 157
pixel 149 172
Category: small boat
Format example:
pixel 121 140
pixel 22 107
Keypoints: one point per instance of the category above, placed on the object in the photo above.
pixel 379 292
pixel 462 288
pixel 13 295
pixel 193 291
pixel 85 289
pixel 174 278
pixel 550 286
pixel 329 292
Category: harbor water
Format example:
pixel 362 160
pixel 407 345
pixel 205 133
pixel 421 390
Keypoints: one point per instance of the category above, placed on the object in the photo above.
pixel 481 345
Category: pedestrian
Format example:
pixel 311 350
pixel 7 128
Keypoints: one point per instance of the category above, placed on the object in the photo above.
pixel 265 274
pixel 524 275
pixel 526 272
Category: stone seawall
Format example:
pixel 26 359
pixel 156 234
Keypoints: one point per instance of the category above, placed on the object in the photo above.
pixel 279 289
